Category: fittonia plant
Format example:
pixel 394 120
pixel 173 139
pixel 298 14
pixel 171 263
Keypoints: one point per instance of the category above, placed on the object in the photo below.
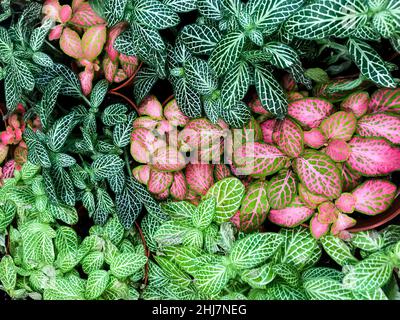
pixel 317 158
pixel 43 255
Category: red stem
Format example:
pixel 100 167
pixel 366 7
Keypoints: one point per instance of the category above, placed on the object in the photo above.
pixel 146 273
pixel 167 100
pixel 133 105
pixel 129 81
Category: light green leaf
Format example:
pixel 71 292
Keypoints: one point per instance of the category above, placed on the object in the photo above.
pixel 200 39
pixel 126 264
pixel 326 289
pixel 211 279
pixel 154 14
pixel 228 193
pixel 96 284
pixel 8 273
pixel 106 166
pixel 204 214
pixel 338 250
pixel 93 261
pixel 368 240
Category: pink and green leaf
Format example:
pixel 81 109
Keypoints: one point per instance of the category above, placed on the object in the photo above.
pixel 385 100
pixel 151 107
pixel 314 138
pixel 174 115
pixel 142 173
pixel 259 159
pixel 289 137
pixel 178 188
pixel 346 203
pixel 338 150
pixel 342 223
pixel 267 128
pixel 159 181
pixel 340 125
pixel 310 112
pixel 356 103
pixel 291 216
pixel 221 171
pixel 84 16
pixel 199 177
pixel 254 208
pixel 380 125
pixel 281 189
pixel 93 41
pixel 70 44
pixel 351 179
pixel 310 199
pixel 145 122
pixel 327 212
pixel 319 174
pixel 374 196
pixel 317 228
pixel 168 159
pixel 373 156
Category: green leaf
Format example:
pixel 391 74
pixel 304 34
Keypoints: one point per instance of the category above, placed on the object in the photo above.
pixel 92 262
pixel 204 214
pixel 8 273
pixel 170 233
pixel 5 45
pixel 49 100
pixel 122 133
pixel 259 277
pixel 200 39
pixel 235 84
pixel 338 250
pixel 114 11
pixel 200 77
pixel 228 193
pixel 64 289
pixel 211 9
pixel 268 14
pixel 326 289
pixel 211 279
pixel 369 274
pixel 180 5
pixel 368 240
pixel 64 186
pixel 66 214
pixel 106 166
pixel 370 63
pixel 11 88
pixel 126 264
pixel 22 74
pixel 128 205
pixel 254 249
pixel 324 18
pixel 59 132
pixel 188 100
pixel 96 284
pixel 66 239
pixel 39 34
pixel 227 52
pixel 237 115
pixel 282 56
pixel 149 37
pixel 154 14
pixel 143 82
pixel 98 93
pixel 270 92
pixel 38 154
pixel 124 43
pixel 114 114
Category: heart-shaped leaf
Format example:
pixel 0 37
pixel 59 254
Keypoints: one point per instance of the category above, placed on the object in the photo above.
pixel 340 125
pixel 338 150
pixel 310 112
pixel 314 138
pixel 151 107
pixel 373 156
pixel 254 208
pixel 159 181
pixel 319 174
pixel 93 41
pixel 385 100
pixel 380 125
pixel 346 203
pixel 229 193
pixel 357 103
pixel 259 159
pixel 291 216
pixel 374 196
pixel 70 44
pixel 178 188
pixel 199 177
pixel 281 189
pixel 289 137
pixel 317 228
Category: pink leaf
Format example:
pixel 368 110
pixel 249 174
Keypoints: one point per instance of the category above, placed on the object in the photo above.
pixel 288 83
pixel 120 76
pixel 199 177
pixel 178 188
pixel 84 16
pixel 319 174
pixel 373 157
pixel 256 106
pixel 327 212
pixel 341 125
pixel 151 107
pixel 129 64
pixel 293 96
pixel 338 150
pixel 70 44
pixel 356 103
pixel 374 196
pixel 291 216
pixel 142 173
pixel 193 197
pixel 162 196
pixel 254 208
pixel 267 128
pixel 314 138
pixel 159 181
pixel 3 152
pixel 259 159
pixel 317 228
pixel 56 32
pixel 351 179
pixel 289 137
pixel 51 10
pixel 139 151
pixel 143 144
pixel 65 13
pixel 385 100
pixel 145 122
pixel 168 159
pixel 380 125
pixel 110 69
pixel 342 223
pixel 221 171
pixel 174 115
pixel 86 79
pixel 113 34
pixel 346 203
pixel 310 112
pixel 8 169
pixel 310 199
pixel 93 41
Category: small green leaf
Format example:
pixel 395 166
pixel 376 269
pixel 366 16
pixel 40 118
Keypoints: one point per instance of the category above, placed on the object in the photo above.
pixel 96 284
pixel 126 264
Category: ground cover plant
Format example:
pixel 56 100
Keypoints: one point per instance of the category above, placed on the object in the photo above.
pixel 199 149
